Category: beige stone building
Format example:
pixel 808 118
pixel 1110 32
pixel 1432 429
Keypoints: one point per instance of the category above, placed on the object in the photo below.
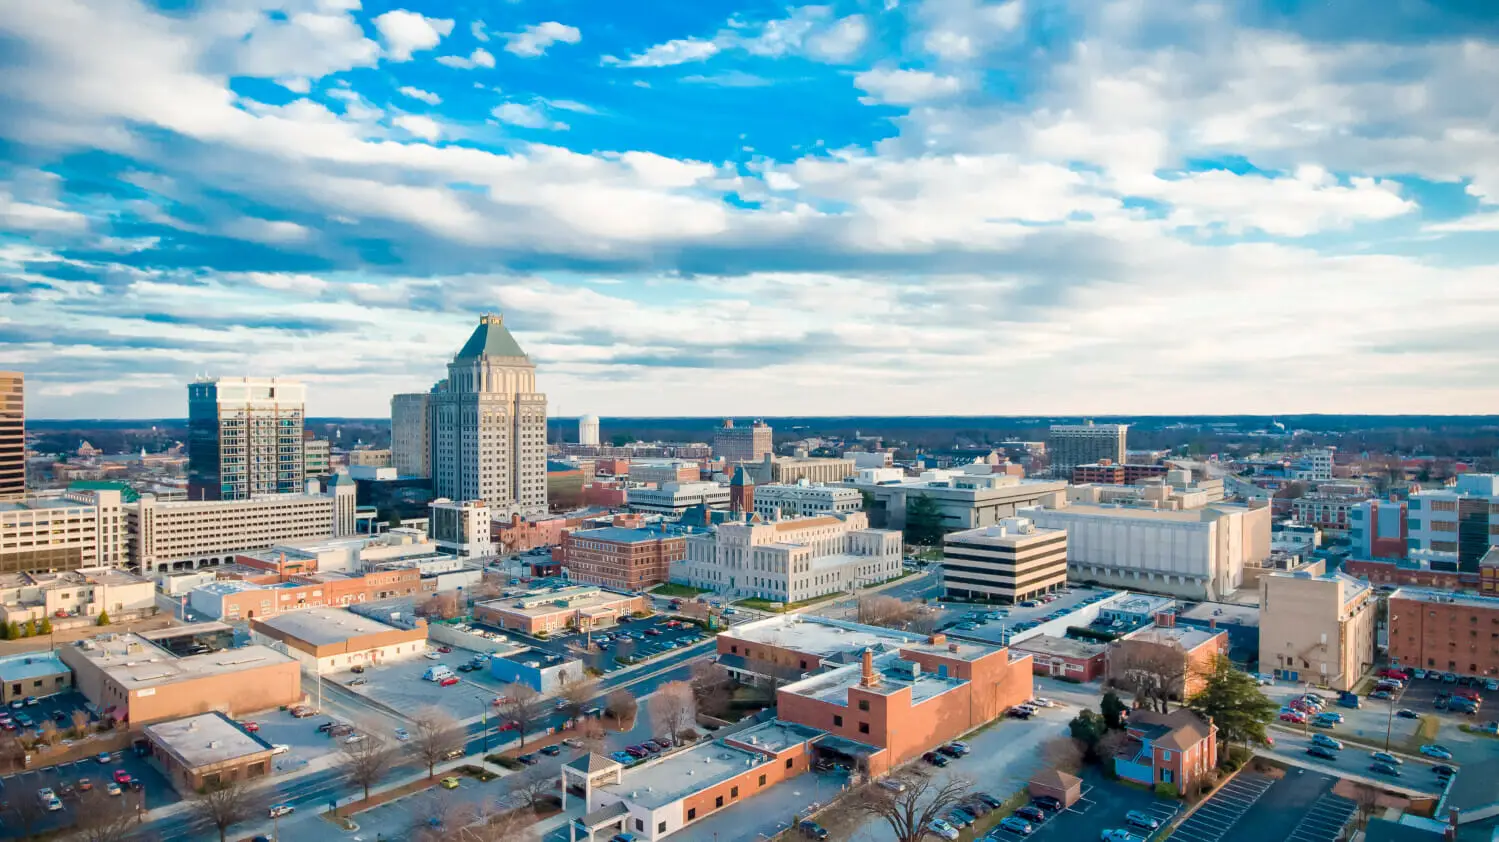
pixel 12 435
pixel 1010 561
pixel 326 640
pixel 207 750
pixel 80 529
pixel 1317 628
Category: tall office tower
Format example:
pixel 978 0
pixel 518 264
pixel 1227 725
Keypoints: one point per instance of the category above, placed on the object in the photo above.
pixel 489 426
pixel 317 456
pixel 742 444
pixel 12 435
pixel 244 437
pixel 588 430
pixel 1070 445
pixel 410 436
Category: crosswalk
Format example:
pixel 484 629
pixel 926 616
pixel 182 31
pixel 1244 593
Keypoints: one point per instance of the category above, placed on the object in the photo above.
pixel 1324 822
pixel 1215 818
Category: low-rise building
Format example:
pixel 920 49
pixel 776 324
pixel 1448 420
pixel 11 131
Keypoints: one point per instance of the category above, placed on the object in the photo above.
pixel 519 534
pixel 964 500
pixel 1379 529
pixel 790 560
pixel 1177 748
pixel 790 647
pixel 327 640
pixel 1317 628
pixel 74 593
pixel 1108 472
pixel 788 470
pixel 557 610
pixel 1008 562
pixel 1448 632
pixel 277 593
pixel 33 674
pixel 660 472
pixel 180 671
pixel 79 529
pixel 1061 657
pixel 674 498
pixel 1179 656
pixel 544 672
pixel 624 559
pixel 805 500
pixel 205 751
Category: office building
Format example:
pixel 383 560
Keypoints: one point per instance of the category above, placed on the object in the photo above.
pixel 188 534
pixel 660 472
pixel 369 458
pixel 1332 513
pixel 805 500
pixel 742 444
pixel 317 457
pixel 1463 519
pixel 408 499
pixel 623 559
pixel 1379 529
pixel 206 750
pixel 77 530
pixel 1317 628
pixel 1070 445
pixel 551 611
pixel 1314 466
pixel 84 593
pixel 462 527
pixel 964 500
pixel 327 640
pixel 1443 631
pixel 1109 472
pixel 792 469
pixel 1195 554
pixel 12 435
pixel 790 560
pixel 877 459
pixel 34 675
pixel 588 430
pixel 790 647
pixel 144 677
pixel 410 435
pixel 488 426
pixel 675 498
pixel 268 594
pixel 244 437
pixel 1008 562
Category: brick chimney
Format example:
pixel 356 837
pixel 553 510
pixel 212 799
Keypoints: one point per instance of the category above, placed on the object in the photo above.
pixel 936 639
pixel 1165 620
pixel 1213 623
pixel 869 678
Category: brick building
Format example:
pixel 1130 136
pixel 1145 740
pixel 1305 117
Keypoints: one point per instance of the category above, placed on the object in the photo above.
pixel 1399 572
pixel 1176 748
pixel 790 647
pixel 206 750
pixel 521 534
pixel 552 611
pixel 1060 657
pixel 1106 472
pixel 1182 654
pixel 1438 630
pixel 254 597
pixel 627 559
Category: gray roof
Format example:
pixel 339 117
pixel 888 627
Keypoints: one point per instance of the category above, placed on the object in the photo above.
pixel 490 338
pixel 591 763
pixel 620 535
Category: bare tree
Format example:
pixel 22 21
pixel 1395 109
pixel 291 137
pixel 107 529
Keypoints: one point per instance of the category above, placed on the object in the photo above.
pixel 25 813
pixel 496 823
pixel 622 706
pixel 907 813
pixel 578 694
pixel 591 735
pixel 674 708
pixel 436 735
pixel 1155 672
pixel 440 606
pixel 103 819
pixel 523 706
pixel 533 786
pixel 81 724
pixel 11 749
pixel 49 732
pixel 225 804
pixel 1062 753
pixel 368 760
pixel 713 687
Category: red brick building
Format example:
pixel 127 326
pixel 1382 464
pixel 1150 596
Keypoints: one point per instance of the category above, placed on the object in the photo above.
pixel 1107 472
pixel 1382 572
pixel 1176 748
pixel 1075 660
pixel 1439 630
pixel 624 559
pixel 519 535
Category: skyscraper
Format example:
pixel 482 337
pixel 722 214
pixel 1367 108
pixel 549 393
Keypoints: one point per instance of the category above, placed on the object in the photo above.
pixel 488 426
pixel 244 437
pixel 588 430
pixel 742 444
pixel 1070 445
pixel 410 435
pixel 12 435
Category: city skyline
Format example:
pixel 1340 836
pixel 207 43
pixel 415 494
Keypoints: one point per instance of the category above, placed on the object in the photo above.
pixel 946 207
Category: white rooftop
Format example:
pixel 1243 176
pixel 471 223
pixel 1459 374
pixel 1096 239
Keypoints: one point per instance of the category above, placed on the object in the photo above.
pixel 817 635
pixel 322 626
pixel 658 783
pixel 137 663
pixel 205 739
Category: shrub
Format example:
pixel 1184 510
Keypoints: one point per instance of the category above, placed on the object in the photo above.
pixel 1167 791
pixel 507 762
pixel 103 618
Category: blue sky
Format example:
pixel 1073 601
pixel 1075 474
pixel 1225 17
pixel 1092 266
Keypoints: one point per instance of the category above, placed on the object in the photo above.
pixel 873 206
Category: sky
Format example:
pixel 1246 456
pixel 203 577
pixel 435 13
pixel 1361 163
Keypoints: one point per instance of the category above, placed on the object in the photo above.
pixel 904 207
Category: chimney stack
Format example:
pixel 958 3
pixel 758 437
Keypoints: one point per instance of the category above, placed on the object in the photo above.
pixel 1165 619
pixel 869 678
pixel 1213 623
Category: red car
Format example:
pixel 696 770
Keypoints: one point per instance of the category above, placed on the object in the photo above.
pixel 446 650
pixel 1292 716
pixel 1395 674
pixel 510 726
pixel 121 776
pixel 449 681
pixel 252 727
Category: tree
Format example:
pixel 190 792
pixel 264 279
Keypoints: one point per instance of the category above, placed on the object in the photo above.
pixel 622 706
pixel 12 630
pixel 441 606
pixel 29 629
pixel 81 724
pixel 1232 699
pixel 49 731
pixel 907 813
pixel 577 694
pixel 1063 753
pixel 592 736
pixel 1087 728
pixel 393 520
pixel 923 521
pixel 533 786
pixel 674 708
pixel 523 706
pixel 1112 708
pixel 1154 672
pixel 621 439
pixel 45 627
pixel 5 631
pixel 712 688
pixel 224 804
pixel 25 813
pixel 435 735
pixel 368 760
pixel 103 819
pixel 867 501
pixel 103 618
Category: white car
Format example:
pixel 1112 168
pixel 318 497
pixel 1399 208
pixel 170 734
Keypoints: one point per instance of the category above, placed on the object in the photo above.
pixel 1040 702
pixel 353 738
pixel 402 734
pixel 1117 835
pixel 280 748
pixel 942 829
pixel 433 656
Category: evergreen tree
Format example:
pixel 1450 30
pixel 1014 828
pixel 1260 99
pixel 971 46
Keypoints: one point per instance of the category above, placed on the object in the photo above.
pixel 103 618
pixel 45 627
pixel 1232 699
pixel 29 630
pixel 12 631
pixel 923 521
pixel 5 631
pixel 1113 710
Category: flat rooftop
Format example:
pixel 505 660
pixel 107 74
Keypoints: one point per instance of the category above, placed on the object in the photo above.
pixel 539 657
pixel 1225 613
pixel 817 635
pixel 656 784
pixel 137 663
pixel 1140 604
pixel 962 650
pixel 775 736
pixel 619 535
pixel 42 504
pixel 538 604
pixel 1430 595
pixel 323 626
pixel 30 665
pixel 833 686
pixel 1190 638
pixel 1045 644
pixel 1135 512
pixel 205 739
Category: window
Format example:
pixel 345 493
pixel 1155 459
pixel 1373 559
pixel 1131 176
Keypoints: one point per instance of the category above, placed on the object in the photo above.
pixel 837 721
pixel 734 792
pixel 762 780
pixel 863 704
pixel 660 827
pixel 788 762
pixel 640 825
pixel 718 802
pixel 863 727
pixel 691 813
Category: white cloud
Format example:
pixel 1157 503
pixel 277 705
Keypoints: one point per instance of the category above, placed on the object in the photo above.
pixel 840 42
pixel 1308 202
pixel 962 29
pixel 23 216
pixel 810 31
pixel 309 41
pixel 480 57
pixel 678 51
pixel 729 79
pixel 425 96
pixel 267 230
pixel 904 87
pixel 533 41
pixel 526 116
pixel 1466 224
pixel 407 32
pixel 425 128
pixel 480 33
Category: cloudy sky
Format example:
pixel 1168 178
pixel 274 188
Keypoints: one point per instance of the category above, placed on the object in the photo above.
pixel 871 206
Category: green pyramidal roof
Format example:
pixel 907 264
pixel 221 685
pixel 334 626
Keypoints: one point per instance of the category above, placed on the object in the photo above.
pixel 490 338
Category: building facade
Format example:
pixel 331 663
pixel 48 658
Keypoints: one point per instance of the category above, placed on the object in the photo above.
pixel 1181 656
pixel 964 500
pixel 80 529
pixel 33 675
pixel 790 560
pixel 1438 630
pixel 743 444
pixel 677 497
pixel 410 435
pixel 196 533
pixel 207 750
pixel 1009 562
pixel 1070 445
pixel 1177 749
pixel 488 426
pixel 464 528
pixel 1317 629
pixel 1379 529
pixel 328 640
pixel 12 435
pixel 317 457
pixel 581 608
pixel 788 470
pixel 660 472
pixel 244 437
pixel 804 499
pixel 1109 472
pixel 86 592
pixel 1463 519
pixel 233 600
pixel 1060 657
pixel 624 559
pixel 588 430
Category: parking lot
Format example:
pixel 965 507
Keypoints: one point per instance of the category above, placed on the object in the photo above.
pixel 24 785
pixel 1103 806
pixel 647 638
pixel 1253 807
pixel 399 685
pixel 1018 618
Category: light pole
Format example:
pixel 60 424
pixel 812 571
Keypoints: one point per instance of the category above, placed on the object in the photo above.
pixel 484 727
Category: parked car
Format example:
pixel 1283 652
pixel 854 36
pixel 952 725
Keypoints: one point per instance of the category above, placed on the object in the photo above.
pixel 114 789
pixel 1117 835
pixel 958 818
pixel 1444 770
pixel 448 682
pixel 1031 814
pixel 975 806
pixel 1391 672
pixel 892 784
pixel 1292 716
pixel 446 650
pixel 103 757
pixel 402 734
pixel 85 785
pixel 1418 674
pixel 1407 713
pixel 529 759
pixel 1138 819
pixel 450 782
pixel 812 830
pixel 1018 712
pixel 572 743
pixel 1323 752
pixel 551 750
pixel 1331 716
pixel 935 759
pixel 1382 695
pixel 1013 825
pixel 121 776
pixel 1435 751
